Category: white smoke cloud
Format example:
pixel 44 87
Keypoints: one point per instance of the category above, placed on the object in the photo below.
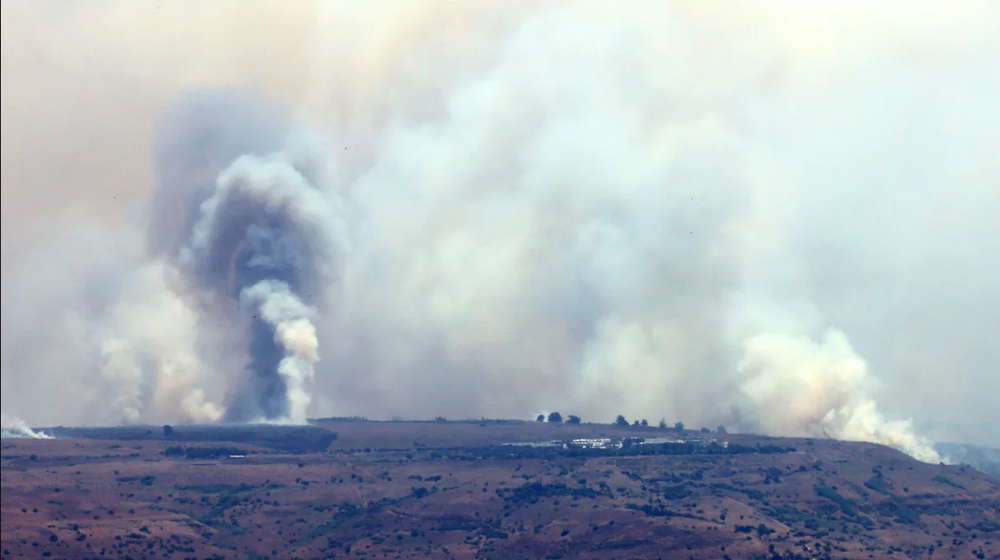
pixel 295 333
pixel 149 360
pixel 653 209
pixel 110 339
pixel 822 388
pixel 269 225
pixel 16 428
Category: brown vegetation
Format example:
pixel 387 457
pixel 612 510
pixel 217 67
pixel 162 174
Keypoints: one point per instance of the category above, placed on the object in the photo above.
pixel 419 490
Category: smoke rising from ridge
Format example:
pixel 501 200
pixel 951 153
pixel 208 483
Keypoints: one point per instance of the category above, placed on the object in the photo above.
pixel 658 210
pixel 264 236
pixel 16 428
pixel 822 386
pixel 267 235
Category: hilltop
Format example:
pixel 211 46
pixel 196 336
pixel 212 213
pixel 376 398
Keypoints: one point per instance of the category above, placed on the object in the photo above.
pixel 357 489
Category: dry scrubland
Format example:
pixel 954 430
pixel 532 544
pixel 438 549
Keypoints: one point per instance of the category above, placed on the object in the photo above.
pixel 439 490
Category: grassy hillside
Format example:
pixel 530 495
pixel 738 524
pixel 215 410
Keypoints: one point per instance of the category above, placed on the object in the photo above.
pixel 452 490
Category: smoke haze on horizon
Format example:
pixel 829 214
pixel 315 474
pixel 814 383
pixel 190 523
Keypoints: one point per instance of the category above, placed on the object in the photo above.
pixel 17 428
pixel 776 217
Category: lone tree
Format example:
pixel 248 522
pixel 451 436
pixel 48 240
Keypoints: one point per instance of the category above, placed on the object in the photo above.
pixel 555 417
pixel 573 419
pixel 721 429
pixel 621 421
pixel 168 431
pixel 541 418
pixel 663 424
pixel 644 422
pixel 679 426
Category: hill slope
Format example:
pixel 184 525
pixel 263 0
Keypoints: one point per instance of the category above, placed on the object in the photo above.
pixel 419 490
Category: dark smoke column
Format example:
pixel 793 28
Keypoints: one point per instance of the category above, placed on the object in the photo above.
pixel 267 234
pixel 244 210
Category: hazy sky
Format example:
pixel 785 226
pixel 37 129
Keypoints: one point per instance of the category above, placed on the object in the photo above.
pixel 549 205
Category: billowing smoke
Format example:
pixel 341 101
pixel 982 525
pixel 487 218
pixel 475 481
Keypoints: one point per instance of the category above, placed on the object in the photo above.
pixel 260 242
pixel 822 387
pixel 662 210
pixel 284 315
pixel 269 238
pixel 16 428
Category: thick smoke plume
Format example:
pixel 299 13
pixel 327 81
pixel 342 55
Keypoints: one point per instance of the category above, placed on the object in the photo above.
pixel 260 238
pixel 822 386
pixel 776 217
pixel 16 428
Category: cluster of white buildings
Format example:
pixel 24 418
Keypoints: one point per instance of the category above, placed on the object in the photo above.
pixel 700 440
pixel 553 443
pixel 615 443
pixel 602 443
pixel 661 441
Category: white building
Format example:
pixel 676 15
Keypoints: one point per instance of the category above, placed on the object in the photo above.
pixel 601 443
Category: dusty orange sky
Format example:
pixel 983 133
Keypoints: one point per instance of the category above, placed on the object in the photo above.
pixel 83 85
pixel 868 132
